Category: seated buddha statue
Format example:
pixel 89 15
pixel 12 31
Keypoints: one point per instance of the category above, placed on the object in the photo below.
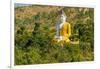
pixel 63 29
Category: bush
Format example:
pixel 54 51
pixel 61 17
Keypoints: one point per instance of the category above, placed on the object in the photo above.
pixel 36 47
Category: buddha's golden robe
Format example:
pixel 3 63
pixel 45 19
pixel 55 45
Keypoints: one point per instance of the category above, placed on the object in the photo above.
pixel 65 31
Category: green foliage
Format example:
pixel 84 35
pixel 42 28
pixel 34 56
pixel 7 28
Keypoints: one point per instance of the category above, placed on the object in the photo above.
pixel 33 37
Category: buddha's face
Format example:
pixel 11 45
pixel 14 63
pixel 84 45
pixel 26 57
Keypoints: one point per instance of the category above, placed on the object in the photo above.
pixel 63 18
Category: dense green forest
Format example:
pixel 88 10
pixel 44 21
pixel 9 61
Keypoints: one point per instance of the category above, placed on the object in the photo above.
pixel 35 29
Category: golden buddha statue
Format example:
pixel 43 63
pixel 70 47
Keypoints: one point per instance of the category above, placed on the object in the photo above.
pixel 63 29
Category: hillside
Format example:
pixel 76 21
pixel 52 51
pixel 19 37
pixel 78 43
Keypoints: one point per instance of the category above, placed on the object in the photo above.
pixel 35 29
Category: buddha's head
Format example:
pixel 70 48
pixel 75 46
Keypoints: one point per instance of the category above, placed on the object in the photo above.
pixel 63 16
